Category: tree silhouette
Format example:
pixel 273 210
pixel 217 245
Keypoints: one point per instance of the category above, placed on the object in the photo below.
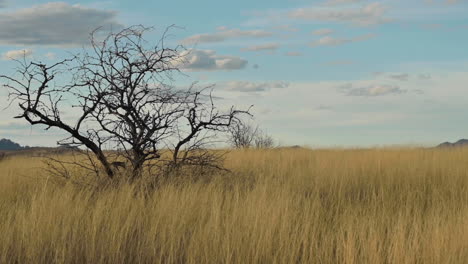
pixel 116 99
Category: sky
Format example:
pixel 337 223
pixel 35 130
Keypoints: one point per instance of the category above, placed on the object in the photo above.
pixel 328 73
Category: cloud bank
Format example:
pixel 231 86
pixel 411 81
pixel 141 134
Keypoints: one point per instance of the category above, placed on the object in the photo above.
pixel 332 41
pixel 248 86
pixel 371 91
pixel 209 60
pixel 54 24
pixel 16 54
pixel 225 34
pixel 370 14
pixel 264 47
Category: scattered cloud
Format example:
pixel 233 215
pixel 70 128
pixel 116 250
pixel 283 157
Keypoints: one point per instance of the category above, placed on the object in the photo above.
pixel 363 37
pixel 225 34
pixel 400 77
pixel 287 28
pixel 293 54
pixel 261 111
pixel 208 60
pixel 447 2
pixel 418 91
pixel 332 41
pixel 432 26
pixel 324 108
pixel 369 14
pixel 247 86
pixel 13 126
pixel 424 76
pixel 50 55
pixel 263 47
pixel 16 54
pixel 370 91
pixel 340 63
pixel 341 2
pixel 376 74
pixel 55 23
pixel 322 32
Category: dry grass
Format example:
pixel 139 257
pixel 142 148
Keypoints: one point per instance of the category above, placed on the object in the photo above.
pixel 281 206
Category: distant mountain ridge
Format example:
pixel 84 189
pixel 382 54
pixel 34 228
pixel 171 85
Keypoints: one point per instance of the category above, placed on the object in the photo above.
pixel 459 143
pixel 6 144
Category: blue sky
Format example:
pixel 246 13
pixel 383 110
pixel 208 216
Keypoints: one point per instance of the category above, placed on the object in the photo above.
pixel 319 73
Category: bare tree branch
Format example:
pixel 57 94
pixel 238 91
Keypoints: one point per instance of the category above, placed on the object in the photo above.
pixel 124 105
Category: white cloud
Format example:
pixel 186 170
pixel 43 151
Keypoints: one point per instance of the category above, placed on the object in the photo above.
pixel 433 26
pixel 293 54
pixel 55 23
pixel 208 60
pixel 287 28
pixel 225 34
pixel 370 14
pixel 447 2
pixel 340 2
pixel 363 37
pixel 332 41
pixel 263 47
pixel 16 54
pixel 372 90
pixel 424 76
pixel 340 63
pixel 316 113
pixel 50 55
pixel 247 86
pixel 400 77
pixel 322 31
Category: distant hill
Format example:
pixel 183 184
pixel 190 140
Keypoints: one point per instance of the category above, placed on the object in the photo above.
pixel 459 143
pixel 6 144
pixel 9 148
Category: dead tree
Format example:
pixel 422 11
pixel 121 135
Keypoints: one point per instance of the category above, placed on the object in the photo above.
pixel 246 135
pixel 242 135
pixel 117 100
pixel 263 140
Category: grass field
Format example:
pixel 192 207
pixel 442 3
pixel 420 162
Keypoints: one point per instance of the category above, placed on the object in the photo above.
pixel 400 205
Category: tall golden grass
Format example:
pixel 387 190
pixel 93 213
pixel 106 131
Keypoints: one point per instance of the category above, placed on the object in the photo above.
pixel 407 205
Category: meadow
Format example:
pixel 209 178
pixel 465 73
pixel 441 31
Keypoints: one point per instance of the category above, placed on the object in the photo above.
pixel 380 205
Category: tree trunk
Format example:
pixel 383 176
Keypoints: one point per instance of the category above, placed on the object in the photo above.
pixel 105 164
